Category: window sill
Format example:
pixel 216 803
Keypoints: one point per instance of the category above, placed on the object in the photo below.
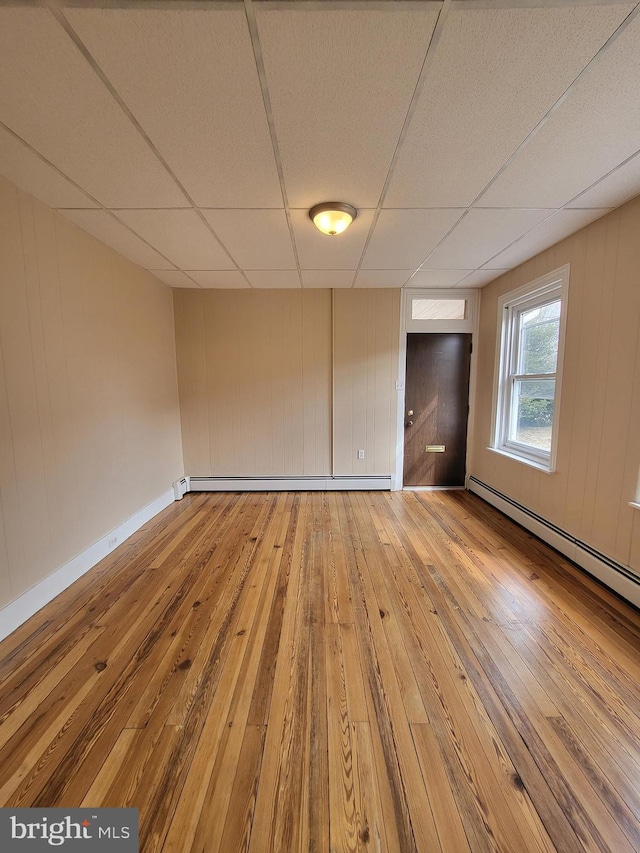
pixel 539 466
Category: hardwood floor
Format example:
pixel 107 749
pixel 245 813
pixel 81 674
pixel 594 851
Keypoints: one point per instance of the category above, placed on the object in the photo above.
pixel 342 671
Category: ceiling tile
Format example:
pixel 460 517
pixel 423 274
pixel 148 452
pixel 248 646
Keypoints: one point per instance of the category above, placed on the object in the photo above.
pixel 189 77
pixel 382 278
pixel 226 279
pixel 595 129
pixel 340 83
pixel 317 251
pixel 480 277
pixel 106 228
pixel 613 190
pixel 480 235
pixel 551 231
pixel 180 235
pixel 403 238
pixel 256 239
pixel 174 278
pixel 328 278
pixel 437 278
pixel 26 170
pixel 502 69
pixel 274 279
pixel 51 98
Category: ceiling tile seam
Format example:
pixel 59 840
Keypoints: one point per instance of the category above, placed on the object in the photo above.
pixel 184 272
pixel 595 183
pixel 224 209
pixel 532 4
pixel 514 209
pixel 99 205
pixel 153 272
pixel 593 62
pixel 190 5
pixel 483 265
pixel 607 207
pixel 417 91
pixel 462 216
pixel 258 57
pixel 233 4
pixel 612 38
pixel 56 9
pixel 129 228
pixel 350 5
pixel 114 208
pixel 51 165
pixel 470 273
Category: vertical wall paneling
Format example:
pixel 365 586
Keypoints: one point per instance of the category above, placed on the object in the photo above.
pixel 622 404
pixel 254 372
pixel 192 377
pixel 600 379
pixel 591 298
pixel 634 558
pixel 599 439
pixel 89 419
pixel 287 383
pixel 11 281
pixel 366 326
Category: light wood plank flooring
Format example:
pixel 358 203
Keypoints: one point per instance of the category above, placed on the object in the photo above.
pixel 345 671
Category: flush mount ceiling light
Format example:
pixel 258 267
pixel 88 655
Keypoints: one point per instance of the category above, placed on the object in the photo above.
pixel 332 217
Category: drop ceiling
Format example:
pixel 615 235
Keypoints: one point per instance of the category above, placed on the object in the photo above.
pixel 192 137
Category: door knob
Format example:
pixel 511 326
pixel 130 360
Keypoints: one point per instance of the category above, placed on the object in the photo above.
pixel 409 423
pixel 409 413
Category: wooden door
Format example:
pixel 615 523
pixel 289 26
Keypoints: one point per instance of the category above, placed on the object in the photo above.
pixel 436 409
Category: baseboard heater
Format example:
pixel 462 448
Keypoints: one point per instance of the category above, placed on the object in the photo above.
pixel 181 487
pixel 288 484
pixel 616 576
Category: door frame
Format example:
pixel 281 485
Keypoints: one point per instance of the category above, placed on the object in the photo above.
pixel 407 324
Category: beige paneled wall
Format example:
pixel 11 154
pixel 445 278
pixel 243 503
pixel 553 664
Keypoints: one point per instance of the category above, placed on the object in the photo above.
pixel 254 371
pixel 89 420
pixel 366 333
pixel 599 435
pixel 255 375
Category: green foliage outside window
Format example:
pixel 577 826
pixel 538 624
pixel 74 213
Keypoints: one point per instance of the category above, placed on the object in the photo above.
pixel 534 412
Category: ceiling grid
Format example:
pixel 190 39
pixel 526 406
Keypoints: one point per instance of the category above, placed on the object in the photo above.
pixel 257 51
pixel 193 136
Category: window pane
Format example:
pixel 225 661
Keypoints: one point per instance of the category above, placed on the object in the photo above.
pixel 438 309
pixel 539 332
pixel 533 412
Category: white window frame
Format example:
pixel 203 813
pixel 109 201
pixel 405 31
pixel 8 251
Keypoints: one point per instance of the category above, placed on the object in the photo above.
pixel 548 288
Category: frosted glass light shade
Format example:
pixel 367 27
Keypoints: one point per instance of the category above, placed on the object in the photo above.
pixel 332 217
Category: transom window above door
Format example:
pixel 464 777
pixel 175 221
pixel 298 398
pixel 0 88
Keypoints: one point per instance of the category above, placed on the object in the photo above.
pixel 439 310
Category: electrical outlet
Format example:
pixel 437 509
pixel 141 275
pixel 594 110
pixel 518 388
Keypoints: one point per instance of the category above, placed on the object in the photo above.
pixel 361 454
pixel 113 541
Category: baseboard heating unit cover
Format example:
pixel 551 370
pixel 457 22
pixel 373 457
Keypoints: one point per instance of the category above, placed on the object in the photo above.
pixel 616 576
pixel 288 484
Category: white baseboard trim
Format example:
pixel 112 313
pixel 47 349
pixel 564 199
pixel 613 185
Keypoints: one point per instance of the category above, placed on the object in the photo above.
pixel 433 488
pixel 616 576
pixel 22 608
pixel 288 484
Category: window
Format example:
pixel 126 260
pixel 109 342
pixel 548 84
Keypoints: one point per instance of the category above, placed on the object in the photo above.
pixel 530 369
pixel 438 309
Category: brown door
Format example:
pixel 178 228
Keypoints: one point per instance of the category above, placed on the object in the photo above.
pixel 437 405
